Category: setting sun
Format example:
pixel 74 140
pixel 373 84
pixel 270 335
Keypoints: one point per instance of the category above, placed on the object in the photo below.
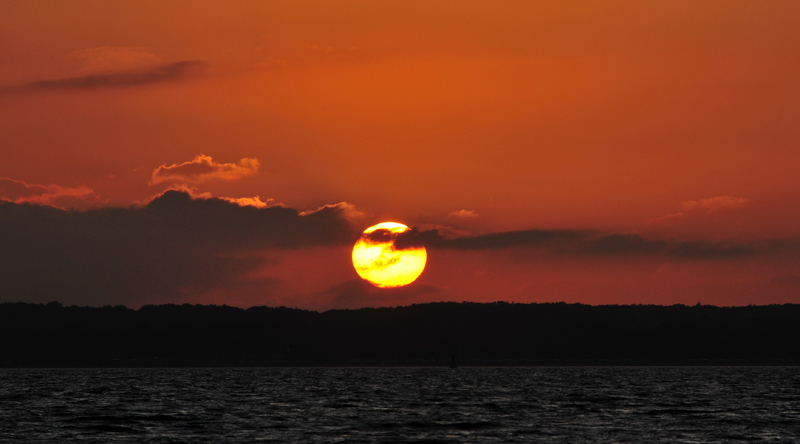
pixel 378 261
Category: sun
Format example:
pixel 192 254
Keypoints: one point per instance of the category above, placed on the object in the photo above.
pixel 378 261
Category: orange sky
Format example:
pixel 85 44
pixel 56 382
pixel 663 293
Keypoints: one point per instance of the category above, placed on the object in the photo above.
pixel 675 120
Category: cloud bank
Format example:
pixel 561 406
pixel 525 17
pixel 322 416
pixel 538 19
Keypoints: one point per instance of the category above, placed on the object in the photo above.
pixel 175 246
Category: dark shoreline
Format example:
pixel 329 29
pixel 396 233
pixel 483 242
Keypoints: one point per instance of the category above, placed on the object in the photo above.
pixel 424 335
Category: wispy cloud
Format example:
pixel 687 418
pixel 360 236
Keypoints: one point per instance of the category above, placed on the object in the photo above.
pixel 18 191
pixel 668 218
pixel 463 214
pixel 171 72
pixel 704 206
pixel 202 169
pixel 112 59
pixel 346 209
pixel 254 201
pixel 714 204
pixel 194 193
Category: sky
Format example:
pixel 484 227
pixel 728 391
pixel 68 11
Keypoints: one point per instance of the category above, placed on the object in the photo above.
pixel 601 152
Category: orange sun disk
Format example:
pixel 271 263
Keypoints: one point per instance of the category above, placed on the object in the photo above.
pixel 382 264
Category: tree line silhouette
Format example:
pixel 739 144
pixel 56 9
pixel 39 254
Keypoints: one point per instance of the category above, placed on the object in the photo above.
pixel 496 333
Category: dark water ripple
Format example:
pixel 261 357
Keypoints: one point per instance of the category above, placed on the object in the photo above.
pixel 570 405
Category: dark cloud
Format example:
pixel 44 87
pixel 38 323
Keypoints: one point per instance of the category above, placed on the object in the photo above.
pixel 380 236
pixel 170 72
pixel 593 243
pixel 710 250
pixel 402 241
pixel 218 220
pixel 564 239
pixel 561 239
pixel 583 243
pixel 172 246
pixel 415 239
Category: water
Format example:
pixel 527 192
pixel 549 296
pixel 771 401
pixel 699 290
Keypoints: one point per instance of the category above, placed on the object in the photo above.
pixel 570 405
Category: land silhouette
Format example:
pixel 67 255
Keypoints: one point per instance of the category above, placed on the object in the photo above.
pixel 499 333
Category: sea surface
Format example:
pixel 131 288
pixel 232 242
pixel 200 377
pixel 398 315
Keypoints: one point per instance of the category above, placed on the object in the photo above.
pixel 539 404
